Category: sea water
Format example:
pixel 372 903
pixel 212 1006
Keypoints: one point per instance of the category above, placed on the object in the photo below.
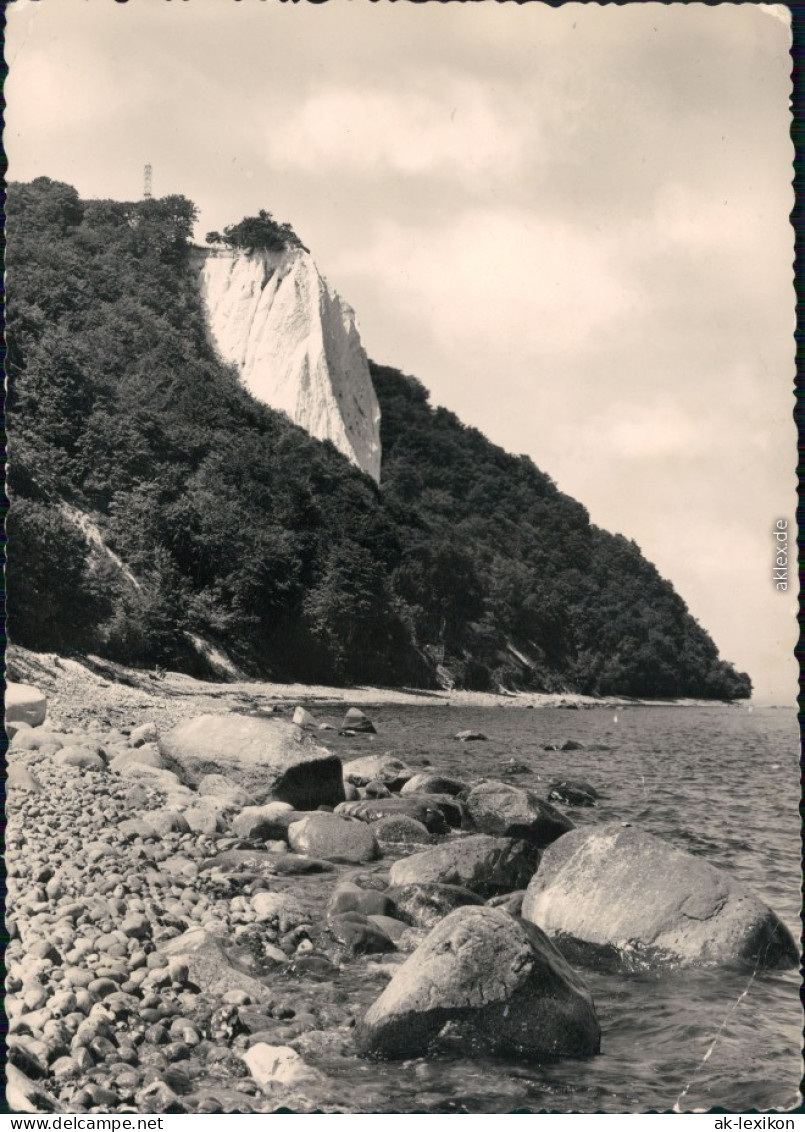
pixel 721 782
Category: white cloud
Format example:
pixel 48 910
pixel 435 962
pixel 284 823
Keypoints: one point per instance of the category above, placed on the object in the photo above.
pixel 498 281
pixel 653 432
pixel 456 129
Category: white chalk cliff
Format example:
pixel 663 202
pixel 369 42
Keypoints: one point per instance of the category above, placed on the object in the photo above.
pixel 296 345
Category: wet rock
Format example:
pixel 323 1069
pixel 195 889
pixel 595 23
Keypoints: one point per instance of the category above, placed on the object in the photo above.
pixel 573 792
pixel 267 757
pixel 511 902
pixel 303 718
pixel 618 888
pixel 383 768
pixel 265 823
pixel 470 736
pixel 280 1067
pixel 25 703
pixel 427 783
pixel 500 979
pixel 356 721
pixel 400 829
pixel 424 905
pixel 349 897
pixel 454 811
pixel 211 967
pixel 426 812
pixel 279 907
pixel 301 866
pixel 513 768
pixel 158 1097
pixel 376 790
pixel 504 810
pixel 394 929
pixel 485 865
pixel 258 861
pixel 333 838
pixel 358 934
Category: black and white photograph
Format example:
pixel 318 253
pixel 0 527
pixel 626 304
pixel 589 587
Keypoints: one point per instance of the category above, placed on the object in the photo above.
pixel 401 563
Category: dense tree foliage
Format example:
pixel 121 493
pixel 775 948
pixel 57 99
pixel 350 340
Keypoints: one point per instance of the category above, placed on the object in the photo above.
pixel 507 579
pixel 261 231
pixel 235 526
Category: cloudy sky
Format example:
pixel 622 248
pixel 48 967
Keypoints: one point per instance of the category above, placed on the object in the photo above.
pixel 571 224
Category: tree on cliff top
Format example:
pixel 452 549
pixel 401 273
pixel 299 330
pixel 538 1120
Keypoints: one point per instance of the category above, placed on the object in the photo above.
pixel 261 231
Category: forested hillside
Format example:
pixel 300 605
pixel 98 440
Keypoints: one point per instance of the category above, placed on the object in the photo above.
pixel 235 527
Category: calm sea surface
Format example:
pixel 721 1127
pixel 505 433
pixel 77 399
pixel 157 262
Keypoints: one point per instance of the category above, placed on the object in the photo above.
pixel 719 782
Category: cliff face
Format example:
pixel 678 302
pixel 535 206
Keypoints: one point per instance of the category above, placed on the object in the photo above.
pixel 296 345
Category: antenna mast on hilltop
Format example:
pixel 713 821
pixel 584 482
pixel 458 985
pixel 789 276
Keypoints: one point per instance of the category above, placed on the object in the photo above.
pixel 147 183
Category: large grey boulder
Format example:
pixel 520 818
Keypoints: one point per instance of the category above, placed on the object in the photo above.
pixel 510 811
pixel 623 890
pixel 485 865
pixel 333 838
pixel 498 978
pixel 267 757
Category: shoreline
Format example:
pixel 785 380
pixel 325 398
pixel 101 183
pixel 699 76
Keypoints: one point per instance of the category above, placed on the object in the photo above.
pixel 79 689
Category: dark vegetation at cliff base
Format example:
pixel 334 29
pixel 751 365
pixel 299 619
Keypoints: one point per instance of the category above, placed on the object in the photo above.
pixel 236 527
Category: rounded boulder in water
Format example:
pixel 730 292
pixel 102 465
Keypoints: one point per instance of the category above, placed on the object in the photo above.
pixel 573 792
pixel 504 810
pixel 614 889
pixel 499 979
pixel 485 865
pixel 356 720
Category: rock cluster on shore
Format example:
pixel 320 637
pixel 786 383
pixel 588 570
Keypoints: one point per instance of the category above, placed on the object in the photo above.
pixel 186 911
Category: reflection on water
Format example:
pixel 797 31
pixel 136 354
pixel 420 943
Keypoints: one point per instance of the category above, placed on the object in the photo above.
pixel 719 782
